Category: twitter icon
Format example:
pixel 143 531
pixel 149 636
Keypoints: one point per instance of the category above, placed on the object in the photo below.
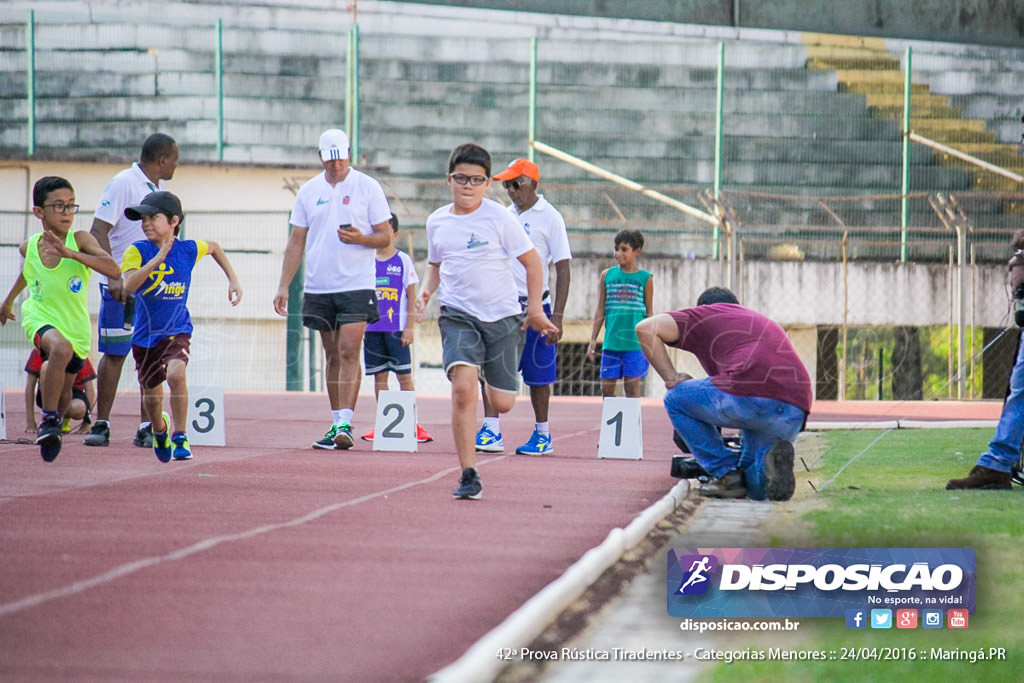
pixel 881 618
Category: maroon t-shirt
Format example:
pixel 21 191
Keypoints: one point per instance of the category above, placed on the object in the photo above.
pixel 744 353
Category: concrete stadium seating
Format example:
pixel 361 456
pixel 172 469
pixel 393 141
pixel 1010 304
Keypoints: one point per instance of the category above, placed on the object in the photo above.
pixel 801 119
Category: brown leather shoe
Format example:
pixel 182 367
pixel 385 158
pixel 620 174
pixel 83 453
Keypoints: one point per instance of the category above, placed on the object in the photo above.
pixel 982 478
pixel 730 485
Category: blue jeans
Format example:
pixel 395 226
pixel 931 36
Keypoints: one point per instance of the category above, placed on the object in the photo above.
pixel 1004 448
pixel 697 408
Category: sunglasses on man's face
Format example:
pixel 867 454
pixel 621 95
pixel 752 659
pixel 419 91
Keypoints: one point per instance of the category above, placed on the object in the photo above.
pixel 514 184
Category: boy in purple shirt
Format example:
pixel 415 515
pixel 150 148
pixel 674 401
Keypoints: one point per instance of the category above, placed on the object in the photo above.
pixel 756 383
pixel 386 342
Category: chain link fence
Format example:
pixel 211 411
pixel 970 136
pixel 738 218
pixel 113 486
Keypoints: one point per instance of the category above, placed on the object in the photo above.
pixel 796 143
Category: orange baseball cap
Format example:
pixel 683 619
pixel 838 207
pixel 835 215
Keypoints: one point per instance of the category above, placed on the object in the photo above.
pixel 520 167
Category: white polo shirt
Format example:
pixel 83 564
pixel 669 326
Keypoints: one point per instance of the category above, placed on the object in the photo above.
pixel 125 189
pixel 331 265
pixel 546 228
pixel 477 252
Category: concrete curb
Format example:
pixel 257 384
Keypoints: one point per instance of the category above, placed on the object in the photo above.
pixel 901 424
pixel 480 663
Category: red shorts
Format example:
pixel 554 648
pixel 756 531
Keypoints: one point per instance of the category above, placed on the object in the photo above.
pixel 151 363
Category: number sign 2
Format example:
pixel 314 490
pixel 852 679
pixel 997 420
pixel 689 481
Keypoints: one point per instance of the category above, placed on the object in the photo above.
pixel 395 426
pixel 621 434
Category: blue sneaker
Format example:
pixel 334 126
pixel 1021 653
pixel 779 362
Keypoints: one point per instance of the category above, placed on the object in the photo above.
pixel 539 444
pixel 162 442
pixel 182 450
pixel 489 442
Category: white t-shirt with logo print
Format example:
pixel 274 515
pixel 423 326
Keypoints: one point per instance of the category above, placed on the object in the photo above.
pixel 127 188
pixel 331 265
pixel 477 252
pixel 546 228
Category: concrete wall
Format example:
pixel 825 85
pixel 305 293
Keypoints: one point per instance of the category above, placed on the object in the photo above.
pixel 991 22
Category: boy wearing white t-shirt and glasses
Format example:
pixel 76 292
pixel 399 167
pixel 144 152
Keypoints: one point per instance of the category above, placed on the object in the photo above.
pixel 471 244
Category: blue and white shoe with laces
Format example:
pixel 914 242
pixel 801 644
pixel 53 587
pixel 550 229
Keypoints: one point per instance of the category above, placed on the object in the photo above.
pixel 539 444
pixel 489 442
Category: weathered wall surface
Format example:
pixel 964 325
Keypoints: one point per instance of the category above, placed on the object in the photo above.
pixel 988 22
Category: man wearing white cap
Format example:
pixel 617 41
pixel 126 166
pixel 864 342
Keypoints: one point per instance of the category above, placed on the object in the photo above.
pixel 340 218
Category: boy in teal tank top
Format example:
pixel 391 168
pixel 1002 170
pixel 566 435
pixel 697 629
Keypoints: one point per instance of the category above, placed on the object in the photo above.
pixel 56 316
pixel 625 293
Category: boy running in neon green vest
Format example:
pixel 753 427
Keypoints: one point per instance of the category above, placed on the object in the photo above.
pixel 56 316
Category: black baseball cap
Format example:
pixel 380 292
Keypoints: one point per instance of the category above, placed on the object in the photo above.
pixel 156 202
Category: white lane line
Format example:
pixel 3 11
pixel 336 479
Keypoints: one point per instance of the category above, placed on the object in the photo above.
pixel 206 544
pixel 852 460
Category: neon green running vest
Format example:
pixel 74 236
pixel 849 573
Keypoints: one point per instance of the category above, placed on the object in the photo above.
pixel 57 296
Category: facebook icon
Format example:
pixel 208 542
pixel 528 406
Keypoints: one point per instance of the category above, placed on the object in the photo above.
pixel 855 618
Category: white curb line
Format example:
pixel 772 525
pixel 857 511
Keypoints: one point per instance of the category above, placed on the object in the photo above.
pixel 480 662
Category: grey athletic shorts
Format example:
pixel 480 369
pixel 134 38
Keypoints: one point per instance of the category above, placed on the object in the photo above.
pixel 494 347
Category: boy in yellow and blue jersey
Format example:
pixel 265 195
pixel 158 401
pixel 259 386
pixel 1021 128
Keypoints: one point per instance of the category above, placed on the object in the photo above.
pixel 58 263
pixel 158 270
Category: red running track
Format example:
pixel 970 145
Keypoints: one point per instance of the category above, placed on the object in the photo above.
pixel 268 560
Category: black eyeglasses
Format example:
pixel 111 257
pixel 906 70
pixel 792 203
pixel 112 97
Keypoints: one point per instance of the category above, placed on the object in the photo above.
pixel 61 207
pixel 463 179
pixel 513 184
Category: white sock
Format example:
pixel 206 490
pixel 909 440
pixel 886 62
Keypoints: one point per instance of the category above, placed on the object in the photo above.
pixel 345 416
pixel 143 425
pixel 542 428
pixel 493 423
pixel 336 416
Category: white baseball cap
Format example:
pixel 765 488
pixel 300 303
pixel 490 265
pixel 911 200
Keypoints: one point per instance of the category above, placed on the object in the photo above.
pixel 333 144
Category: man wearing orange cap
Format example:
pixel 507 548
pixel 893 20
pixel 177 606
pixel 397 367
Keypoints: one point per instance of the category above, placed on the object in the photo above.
pixel 546 228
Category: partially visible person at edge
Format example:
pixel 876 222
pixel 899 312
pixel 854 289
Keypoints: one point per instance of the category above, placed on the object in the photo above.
pixel 115 233
pixel 340 218
pixel 756 383
pixel 995 466
pixel 83 395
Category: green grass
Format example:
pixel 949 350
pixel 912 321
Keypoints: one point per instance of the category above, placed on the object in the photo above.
pixel 893 495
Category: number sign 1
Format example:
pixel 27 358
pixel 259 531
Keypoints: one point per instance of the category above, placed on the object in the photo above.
pixel 395 426
pixel 621 434
pixel 206 416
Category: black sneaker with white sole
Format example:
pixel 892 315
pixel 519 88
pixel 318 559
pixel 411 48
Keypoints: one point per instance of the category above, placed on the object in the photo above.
pixel 144 437
pixel 49 438
pixel 779 481
pixel 469 485
pixel 99 435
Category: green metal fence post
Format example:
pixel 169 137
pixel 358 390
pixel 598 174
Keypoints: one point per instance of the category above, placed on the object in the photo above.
pixel 219 75
pixel 905 187
pixel 353 133
pixel 719 118
pixel 531 124
pixel 293 342
pixel 348 82
pixel 30 80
